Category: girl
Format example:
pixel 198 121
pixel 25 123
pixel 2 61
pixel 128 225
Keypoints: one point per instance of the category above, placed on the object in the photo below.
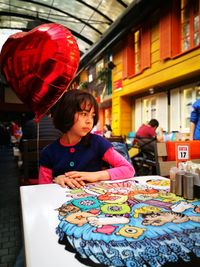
pixel 78 156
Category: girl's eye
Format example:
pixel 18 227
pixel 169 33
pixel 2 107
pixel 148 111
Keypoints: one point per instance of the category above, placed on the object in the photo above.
pixel 87 114
pixel 83 113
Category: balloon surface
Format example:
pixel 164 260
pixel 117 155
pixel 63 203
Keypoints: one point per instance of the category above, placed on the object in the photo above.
pixel 39 65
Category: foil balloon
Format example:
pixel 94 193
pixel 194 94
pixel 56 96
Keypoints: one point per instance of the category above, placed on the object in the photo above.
pixel 40 65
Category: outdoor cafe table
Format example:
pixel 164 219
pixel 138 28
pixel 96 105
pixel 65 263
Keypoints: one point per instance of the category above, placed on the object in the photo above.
pixel 135 222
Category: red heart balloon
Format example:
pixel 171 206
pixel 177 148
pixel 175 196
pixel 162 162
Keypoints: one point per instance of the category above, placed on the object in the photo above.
pixel 39 65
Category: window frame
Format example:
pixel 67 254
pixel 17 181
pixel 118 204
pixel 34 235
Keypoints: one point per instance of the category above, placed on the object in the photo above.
pixel 143 52
pixel 171 26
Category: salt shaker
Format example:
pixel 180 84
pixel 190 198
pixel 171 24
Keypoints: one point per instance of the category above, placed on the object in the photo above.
pixel 172 176
pixel 188 186
pixel 179 183
pixel 196 185
pixel 172 186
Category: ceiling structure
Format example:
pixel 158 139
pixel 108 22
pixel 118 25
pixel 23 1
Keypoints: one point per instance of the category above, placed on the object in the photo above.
pixel 88 20
pixel 96 24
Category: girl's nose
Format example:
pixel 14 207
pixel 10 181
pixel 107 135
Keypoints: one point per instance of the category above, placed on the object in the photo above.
pixel 89 119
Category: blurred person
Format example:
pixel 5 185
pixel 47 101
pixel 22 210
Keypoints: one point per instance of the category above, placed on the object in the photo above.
pixel 195 121
pixel 4 135
pixel 45 128
pixel 150 130
pixel 16 132
pixel 107 131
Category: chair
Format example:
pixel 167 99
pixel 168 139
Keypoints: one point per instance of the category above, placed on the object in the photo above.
pixel 116 138
pixel 31 149
pixel 130 138
pixel 122 149
pixel 147 161
pixel 120 146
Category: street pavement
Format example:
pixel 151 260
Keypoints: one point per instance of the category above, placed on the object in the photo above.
pixel 10 209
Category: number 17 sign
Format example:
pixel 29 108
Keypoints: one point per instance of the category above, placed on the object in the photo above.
pixel 182 152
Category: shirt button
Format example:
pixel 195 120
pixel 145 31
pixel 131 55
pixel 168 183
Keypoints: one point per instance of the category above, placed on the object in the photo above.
pixel 71 164
pixel 72 150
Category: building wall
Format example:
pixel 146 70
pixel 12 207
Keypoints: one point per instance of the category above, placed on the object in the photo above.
pixel 161 74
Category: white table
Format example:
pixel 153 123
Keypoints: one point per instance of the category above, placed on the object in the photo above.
pixel 40 220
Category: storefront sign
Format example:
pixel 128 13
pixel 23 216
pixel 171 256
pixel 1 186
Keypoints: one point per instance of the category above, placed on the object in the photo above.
pixel 117 85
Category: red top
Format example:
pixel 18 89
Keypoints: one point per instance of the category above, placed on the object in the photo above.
pixel 146 131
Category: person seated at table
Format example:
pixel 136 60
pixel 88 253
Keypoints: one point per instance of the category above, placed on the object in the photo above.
pixel 79 156
pixel 44 129
pixel 149 130
pixel 107 131
pixel 146 136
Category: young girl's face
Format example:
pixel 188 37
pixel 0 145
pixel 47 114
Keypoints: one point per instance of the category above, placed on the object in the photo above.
pixel 83 121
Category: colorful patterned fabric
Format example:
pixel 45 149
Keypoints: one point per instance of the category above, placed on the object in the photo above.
pixel 131 224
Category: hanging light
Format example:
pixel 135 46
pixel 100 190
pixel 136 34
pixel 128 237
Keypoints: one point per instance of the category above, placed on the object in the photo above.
pixel 151 91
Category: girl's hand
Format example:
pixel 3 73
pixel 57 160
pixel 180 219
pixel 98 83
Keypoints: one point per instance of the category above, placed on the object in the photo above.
pixel 64 181
pixel 90 177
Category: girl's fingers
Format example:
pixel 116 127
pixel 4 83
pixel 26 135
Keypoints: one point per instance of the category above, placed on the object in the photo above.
pixel 80 181
pixel 73 183
pixel 62 183
pixel 69 183
pixel 72 175
pixel 69 174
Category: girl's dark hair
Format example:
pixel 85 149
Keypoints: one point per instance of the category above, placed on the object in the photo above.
pixel 70 103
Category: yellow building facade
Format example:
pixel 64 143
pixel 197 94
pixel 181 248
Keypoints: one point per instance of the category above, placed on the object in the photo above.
pixel 162 75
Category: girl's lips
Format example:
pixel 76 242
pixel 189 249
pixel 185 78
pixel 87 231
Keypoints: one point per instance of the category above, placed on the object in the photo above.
pixel 86 129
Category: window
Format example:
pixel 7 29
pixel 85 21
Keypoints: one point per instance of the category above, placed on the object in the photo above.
pixel 185 26
pixel 137 51
pixel 196 24
pixel 189 24
pixel 179 27
pixel 99 66
pixel 198 92
pixel 189 95
pixel 90 78
pixel 149 109
pixel 187 108
pixel 5 33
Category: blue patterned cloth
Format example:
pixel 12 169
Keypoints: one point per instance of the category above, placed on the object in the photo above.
pixel 195 118
pixel 126 224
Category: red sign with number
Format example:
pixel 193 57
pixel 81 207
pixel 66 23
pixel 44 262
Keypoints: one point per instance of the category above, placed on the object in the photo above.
pixel 182 150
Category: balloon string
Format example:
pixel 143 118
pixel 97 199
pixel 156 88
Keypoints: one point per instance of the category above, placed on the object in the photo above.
pixel 38 148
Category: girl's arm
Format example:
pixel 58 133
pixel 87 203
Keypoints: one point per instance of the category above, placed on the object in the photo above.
pixel 192 128
pixel 193 120
pixel 121 168
pixel 45 175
